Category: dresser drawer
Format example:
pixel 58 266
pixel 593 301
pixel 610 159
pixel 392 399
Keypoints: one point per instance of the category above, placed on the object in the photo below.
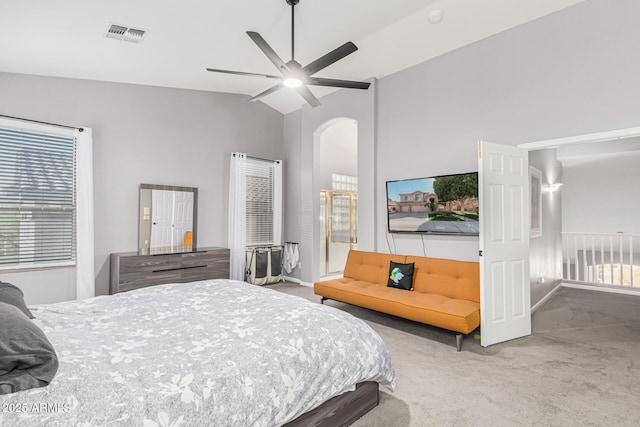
pixel 132 271
pixel 149 263
pixel 202 272
pixel 221 266
pixel 197 259
pixel 131 281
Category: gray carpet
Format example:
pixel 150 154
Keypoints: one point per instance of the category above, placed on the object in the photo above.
pixel 578 368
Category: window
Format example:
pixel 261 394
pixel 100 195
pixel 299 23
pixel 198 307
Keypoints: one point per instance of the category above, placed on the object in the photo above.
pixel 418 197
pixel 37 197
pixel 344 182
pixel 260 194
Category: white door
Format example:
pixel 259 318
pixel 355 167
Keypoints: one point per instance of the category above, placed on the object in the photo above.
pixel 161 218
pixel 182 216
pixel 503 187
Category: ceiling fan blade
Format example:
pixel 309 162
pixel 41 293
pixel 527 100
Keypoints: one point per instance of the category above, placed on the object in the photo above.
pixel 242 73
pixel 319 81
pixel 271 54
pixel 266 92
pixel 335 55
pixel 308 96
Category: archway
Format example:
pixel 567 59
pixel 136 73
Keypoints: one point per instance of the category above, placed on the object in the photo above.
pixel 336 172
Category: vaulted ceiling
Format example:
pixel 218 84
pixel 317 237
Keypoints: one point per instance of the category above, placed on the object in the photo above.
pixel 66 38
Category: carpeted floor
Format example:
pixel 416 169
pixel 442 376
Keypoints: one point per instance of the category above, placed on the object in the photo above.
pixel 578 368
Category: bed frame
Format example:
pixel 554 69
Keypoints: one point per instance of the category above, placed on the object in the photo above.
pixel 341 410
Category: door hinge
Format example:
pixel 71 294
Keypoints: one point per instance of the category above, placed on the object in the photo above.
pixel 480 253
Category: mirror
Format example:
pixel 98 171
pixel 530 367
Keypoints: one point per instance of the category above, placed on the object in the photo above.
pixel 167 219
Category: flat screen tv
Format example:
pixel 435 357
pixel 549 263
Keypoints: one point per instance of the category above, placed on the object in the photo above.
pixel 445 204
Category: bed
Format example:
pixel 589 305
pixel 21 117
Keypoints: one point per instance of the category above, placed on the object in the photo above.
pixel 216 352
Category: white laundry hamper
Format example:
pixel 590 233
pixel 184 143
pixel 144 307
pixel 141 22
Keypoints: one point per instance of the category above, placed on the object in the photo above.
pixel 264 265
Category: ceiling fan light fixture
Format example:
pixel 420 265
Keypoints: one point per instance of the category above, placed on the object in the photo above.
pixel 292 82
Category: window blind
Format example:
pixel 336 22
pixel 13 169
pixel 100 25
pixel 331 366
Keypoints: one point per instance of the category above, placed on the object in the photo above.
pixel 37 198
pixel 259 214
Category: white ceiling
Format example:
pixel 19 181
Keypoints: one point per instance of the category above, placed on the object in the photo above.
pixel 65 38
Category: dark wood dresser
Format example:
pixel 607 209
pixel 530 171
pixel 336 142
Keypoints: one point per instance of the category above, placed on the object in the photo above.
pixel 131 270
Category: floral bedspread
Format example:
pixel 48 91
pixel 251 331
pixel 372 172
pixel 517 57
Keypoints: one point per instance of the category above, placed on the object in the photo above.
pixel 210 353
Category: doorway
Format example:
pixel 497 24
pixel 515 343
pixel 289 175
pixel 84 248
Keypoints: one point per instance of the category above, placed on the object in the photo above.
pixel 598 236
pixel 338 226
pixel 338 217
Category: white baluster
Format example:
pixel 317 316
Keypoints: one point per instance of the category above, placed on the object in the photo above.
pixel 601 259
pixel 631 258
pixel 621 263
pixel 585 267
pixel 575 245
pixel 567 256
pixel 593 259
pixel 611 257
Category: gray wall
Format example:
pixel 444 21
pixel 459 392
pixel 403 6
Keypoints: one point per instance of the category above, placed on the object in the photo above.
pixel 602 196
pixel 338 152
pixel 291 182
pixel 570 73
pixel 302 145
pixel 144 134
pixel 545 252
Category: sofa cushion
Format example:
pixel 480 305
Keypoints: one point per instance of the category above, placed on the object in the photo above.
pixel 453 279
pixel 400 276
pixel 454 314
pixel 370 266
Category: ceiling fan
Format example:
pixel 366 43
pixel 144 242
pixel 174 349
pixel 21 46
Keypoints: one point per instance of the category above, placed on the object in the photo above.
pixel 293 74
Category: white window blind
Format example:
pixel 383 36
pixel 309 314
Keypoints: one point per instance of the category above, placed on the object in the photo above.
pixel 260 192
pixel 37 199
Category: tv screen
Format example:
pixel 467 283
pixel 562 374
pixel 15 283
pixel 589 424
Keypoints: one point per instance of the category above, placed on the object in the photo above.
pixel 441 205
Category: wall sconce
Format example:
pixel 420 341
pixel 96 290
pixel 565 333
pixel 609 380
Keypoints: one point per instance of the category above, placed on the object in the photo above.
pixel 552 188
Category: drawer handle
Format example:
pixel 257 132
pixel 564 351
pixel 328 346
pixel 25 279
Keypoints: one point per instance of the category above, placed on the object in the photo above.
pixel 179 268
pixel 182 253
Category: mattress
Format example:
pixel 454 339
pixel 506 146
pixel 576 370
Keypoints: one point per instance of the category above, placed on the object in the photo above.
pixel 215 352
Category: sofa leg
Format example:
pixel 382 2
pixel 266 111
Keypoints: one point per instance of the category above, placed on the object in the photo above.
pixel 322 300
pixel 459 342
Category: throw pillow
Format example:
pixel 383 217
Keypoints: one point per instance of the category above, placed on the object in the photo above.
pixel 10 294
pixel 27 358
pixel 400 276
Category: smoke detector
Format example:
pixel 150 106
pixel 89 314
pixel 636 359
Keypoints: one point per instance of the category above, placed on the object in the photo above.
pixel 435 16
pixel 124 33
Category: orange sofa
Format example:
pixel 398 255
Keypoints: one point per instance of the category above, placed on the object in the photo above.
pixel 446 293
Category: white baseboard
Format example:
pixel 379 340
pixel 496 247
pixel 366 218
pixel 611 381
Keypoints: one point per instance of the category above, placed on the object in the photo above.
pixel 327 278
pixel 546 298
pixel 308 284
pixel 298 281
pixel 613 290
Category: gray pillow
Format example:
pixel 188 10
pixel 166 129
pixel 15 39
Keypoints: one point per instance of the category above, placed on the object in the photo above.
pixel 13 295
pixel 27 358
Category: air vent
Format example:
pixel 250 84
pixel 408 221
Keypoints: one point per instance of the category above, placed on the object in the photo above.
pixel 127 34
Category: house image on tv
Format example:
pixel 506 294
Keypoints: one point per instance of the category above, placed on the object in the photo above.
pixel 418 201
